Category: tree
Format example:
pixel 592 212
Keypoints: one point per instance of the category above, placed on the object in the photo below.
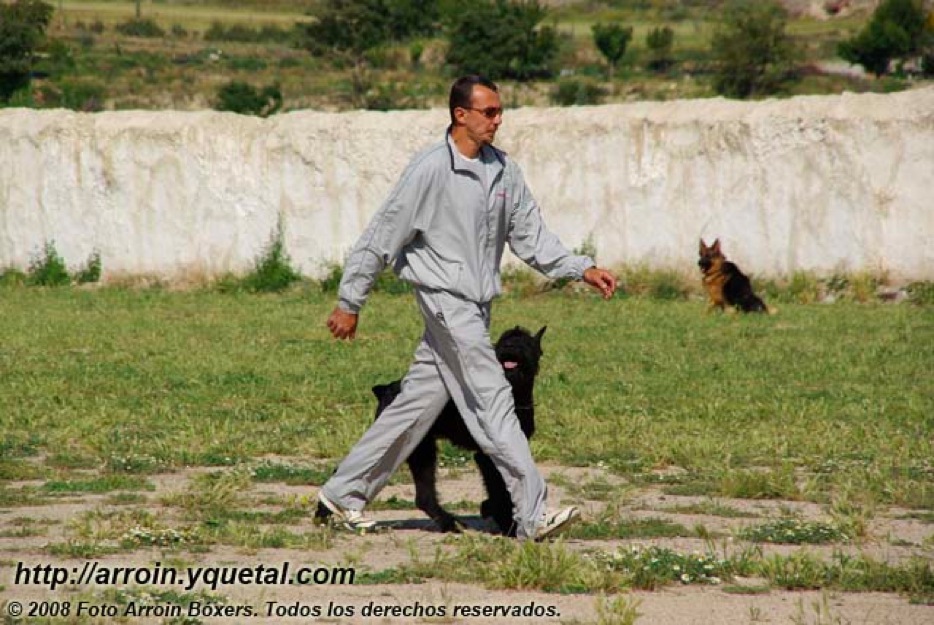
pixel 753 54
pixel 22 29
pixel 355 26
pixel 500 39
pixel 611 40
pixel 659 42
pixel 413 18
pixel 895 30
pixel 348 27
pixel 347 30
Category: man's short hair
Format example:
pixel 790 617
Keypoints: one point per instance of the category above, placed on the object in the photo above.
pixel 462 91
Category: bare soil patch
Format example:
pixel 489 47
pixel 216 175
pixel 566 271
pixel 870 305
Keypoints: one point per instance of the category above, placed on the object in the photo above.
pixel 29 536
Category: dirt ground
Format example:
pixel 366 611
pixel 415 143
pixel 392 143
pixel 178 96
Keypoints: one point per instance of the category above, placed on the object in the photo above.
pixel 892 538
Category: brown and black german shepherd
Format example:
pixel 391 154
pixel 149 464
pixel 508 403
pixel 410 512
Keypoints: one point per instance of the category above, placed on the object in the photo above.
pixel 726 285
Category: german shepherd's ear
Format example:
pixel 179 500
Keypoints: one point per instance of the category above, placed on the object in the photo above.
pixel 538 336
pixel 715 248
pixel 702 248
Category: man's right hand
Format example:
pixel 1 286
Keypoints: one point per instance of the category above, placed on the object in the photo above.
pixel 342 324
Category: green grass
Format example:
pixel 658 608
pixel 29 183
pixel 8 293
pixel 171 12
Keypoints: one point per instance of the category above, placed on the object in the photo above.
pixel 818 397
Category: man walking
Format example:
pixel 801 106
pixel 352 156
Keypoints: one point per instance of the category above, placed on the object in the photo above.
pixel 444 228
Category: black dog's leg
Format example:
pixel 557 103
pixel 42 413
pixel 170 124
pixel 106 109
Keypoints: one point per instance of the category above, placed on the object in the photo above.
pixel 322 514
pixel 498 505
pixel 422 463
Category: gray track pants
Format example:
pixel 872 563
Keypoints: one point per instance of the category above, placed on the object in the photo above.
pixel 455 360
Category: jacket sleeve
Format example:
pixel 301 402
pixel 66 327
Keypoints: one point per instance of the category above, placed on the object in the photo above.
pixel 390 229
pixel 531 240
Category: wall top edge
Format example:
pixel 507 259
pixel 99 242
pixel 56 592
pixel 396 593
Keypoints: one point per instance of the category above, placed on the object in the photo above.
pixel 911 105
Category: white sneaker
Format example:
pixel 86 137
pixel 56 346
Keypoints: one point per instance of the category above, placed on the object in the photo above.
pixel 553 523
pixel 351 519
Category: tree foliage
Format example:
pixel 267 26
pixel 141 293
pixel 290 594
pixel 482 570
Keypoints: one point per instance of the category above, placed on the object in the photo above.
pixel 22 29
pixel 896 30
pixel 659 41
pixel 754 56
pixel 244 98
pixel 501 39
pixel 611 40
pixel 352 27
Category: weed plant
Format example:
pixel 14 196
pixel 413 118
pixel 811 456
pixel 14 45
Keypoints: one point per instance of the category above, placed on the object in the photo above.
pixel 921 293
pixel 272 271
pixel 552 567
pixel 795 532
pixel 47 268
pixel 619 610
pixel 91 272
pixel 653 567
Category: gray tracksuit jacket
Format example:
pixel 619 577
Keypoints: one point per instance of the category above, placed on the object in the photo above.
pixel 443 227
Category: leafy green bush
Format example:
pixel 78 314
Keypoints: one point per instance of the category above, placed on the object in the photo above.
pixel 12 277
pixel 659 42
pixel 47 268
pixel 57 60
pixel 921 293
pixel 140 28
pixel 273 269
pixel 573 92
pixel 82 94
pixel 91 272
pixel 241 97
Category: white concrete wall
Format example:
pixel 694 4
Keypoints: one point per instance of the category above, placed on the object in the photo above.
pixel 836 183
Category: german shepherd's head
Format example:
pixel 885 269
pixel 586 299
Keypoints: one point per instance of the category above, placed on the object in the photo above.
pixel 726 284
pixel 711 258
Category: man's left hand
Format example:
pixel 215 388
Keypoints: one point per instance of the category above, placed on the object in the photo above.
pixel 602 280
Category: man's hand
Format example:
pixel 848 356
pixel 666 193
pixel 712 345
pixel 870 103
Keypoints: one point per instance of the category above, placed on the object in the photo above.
pixel 602 280
pixel 342 324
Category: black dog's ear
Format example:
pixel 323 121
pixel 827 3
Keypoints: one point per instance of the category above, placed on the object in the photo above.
pixel 539 334
pixel 382 391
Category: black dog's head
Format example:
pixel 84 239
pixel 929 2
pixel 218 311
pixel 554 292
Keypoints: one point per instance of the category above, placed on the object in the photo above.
pixel 519 352
pixel 385 393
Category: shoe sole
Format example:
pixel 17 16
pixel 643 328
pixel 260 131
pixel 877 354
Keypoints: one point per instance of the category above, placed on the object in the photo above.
pixel 341 518
pixel 558 529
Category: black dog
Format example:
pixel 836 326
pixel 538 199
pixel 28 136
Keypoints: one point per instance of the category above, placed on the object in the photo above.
pixel 519 352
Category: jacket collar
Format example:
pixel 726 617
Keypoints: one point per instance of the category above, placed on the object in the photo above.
pixel 485 151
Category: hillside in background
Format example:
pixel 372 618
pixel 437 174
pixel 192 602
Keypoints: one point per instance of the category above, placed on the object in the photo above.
pixel 182 55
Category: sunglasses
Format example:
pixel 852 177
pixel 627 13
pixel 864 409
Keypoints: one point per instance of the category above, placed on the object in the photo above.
pixel 490 112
